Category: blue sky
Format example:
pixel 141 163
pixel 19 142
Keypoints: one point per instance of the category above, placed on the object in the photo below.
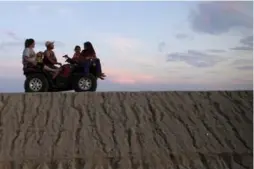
pixel 143 45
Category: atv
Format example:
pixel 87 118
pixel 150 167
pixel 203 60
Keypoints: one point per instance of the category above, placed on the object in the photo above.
pixel 71 77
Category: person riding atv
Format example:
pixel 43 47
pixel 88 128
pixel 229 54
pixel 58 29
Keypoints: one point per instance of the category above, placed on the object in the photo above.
pixel 87 58
pixel 50 59
pixel 70 77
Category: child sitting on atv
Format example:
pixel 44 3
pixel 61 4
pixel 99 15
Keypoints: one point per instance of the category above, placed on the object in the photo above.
pixel 77 53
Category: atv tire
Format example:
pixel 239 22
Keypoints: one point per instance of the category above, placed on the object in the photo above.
pixel 36 83
pixel 85 83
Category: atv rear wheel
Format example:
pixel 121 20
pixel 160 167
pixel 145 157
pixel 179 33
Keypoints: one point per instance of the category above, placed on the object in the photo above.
pixel 85 83
pixel 36 83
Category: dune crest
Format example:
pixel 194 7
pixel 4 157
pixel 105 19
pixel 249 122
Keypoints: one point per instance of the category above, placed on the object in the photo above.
pixel 132 130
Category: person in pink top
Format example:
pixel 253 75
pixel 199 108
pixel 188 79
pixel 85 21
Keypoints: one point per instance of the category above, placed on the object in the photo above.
pixel 77 53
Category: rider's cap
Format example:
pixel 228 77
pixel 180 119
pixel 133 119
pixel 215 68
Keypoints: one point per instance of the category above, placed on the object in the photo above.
pixel 49 43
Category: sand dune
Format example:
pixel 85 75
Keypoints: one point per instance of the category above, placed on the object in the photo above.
pixel 143 130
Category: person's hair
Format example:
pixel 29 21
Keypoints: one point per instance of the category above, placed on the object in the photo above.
pixel 25 45
pixel 77 47
pixel 49 46
pixel 29 42
pixel 89 48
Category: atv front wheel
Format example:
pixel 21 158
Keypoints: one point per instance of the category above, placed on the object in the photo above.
pixel 36 83
pixel 85 83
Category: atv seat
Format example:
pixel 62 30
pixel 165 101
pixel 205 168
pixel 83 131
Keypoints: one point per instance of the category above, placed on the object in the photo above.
pixel 34 69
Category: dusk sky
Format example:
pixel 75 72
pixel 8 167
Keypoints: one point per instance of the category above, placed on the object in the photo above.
pixel 142 45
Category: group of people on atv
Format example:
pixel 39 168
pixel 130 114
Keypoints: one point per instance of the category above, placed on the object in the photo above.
pixel 85 57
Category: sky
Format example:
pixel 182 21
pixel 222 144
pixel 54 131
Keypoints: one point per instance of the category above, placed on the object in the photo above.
pixel 152 46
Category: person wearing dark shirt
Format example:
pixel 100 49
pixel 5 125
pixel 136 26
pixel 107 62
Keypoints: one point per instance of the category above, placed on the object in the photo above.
pixel 88 56
pixel 49 55
pixel 77 53
pixel 50 59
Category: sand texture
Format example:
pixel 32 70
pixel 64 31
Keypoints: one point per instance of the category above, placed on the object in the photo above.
pixel 142 130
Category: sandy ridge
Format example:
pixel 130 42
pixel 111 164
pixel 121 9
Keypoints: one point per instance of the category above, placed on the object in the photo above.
pixel 145 130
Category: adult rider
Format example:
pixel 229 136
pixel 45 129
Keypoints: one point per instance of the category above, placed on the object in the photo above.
pixel 88 56
pixel 50 59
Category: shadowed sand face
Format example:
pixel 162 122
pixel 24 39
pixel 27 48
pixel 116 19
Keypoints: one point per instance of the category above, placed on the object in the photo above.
pixel 126 130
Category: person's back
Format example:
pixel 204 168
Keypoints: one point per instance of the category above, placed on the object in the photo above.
pixel 29 55
pixel 88 54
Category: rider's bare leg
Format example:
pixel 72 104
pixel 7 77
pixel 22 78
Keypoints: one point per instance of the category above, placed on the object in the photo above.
pixel 101 75
pixel 49 68
pixel 56 71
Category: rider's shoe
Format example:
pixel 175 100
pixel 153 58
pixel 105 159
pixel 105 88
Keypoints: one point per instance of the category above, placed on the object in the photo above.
pixel 102 76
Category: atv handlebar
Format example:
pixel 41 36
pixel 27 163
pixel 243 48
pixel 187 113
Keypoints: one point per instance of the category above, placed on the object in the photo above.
pixel 65 56
pixel 69 60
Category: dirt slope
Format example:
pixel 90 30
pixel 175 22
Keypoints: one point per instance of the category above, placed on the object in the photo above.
pixel 145 130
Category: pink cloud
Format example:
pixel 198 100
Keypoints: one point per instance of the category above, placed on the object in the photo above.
pixel 127 77
pixel 138 79
pixel 124 81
